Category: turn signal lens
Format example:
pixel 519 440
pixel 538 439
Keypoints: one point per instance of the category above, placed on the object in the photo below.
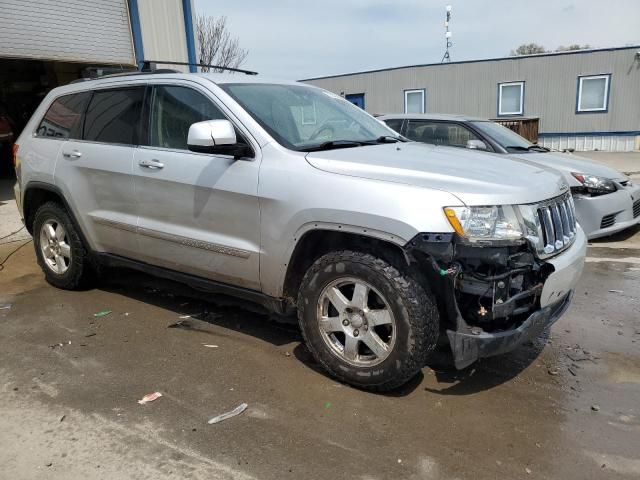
pixel 15 154
pixel 453 220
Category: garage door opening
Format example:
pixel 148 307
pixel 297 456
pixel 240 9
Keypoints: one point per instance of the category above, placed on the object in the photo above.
pixel 23 85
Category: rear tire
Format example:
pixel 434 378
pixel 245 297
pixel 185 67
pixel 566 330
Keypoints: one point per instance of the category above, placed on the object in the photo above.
pixel 364 321
pixel 59 249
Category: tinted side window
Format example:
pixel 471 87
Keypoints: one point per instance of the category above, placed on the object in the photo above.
pixel 394 123
pixel 439 133
pixel 173 111
pixel 113 116
pixel 64 117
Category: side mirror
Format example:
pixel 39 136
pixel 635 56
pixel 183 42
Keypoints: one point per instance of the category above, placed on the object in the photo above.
pixel 476 145
pixel 216 137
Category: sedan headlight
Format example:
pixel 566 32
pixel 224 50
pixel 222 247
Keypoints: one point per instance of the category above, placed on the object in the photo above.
pixel 594 183
pixel 487 224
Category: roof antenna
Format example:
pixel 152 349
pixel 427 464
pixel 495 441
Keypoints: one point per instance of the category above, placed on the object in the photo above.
pixel 447 35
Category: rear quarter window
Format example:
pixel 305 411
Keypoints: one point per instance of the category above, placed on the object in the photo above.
pixel 63 119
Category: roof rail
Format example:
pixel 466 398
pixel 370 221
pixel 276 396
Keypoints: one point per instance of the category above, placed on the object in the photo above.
pixel 124 74
pixel 149 66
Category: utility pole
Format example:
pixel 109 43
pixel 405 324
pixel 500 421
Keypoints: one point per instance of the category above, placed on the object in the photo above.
pixel 447 36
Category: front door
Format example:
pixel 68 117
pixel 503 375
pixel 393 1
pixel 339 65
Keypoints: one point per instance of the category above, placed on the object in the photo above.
pixel 198 213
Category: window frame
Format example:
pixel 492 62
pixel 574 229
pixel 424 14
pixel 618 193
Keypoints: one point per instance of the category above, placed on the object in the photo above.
pixel 137 131
pixel 35 134
pixel 145 119
pixel 510 84
pixel 607 91
pixel 423 91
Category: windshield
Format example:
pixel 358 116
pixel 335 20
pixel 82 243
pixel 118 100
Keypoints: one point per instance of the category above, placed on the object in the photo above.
pixel 502 135
pixel 305 118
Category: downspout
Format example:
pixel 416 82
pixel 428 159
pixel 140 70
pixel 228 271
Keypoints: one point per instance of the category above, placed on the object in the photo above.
pixel 136 32
pixel 188 28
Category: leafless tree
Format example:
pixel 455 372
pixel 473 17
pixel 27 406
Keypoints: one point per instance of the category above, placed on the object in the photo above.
pixel 528 49
pixel 572 47
pixel 217 46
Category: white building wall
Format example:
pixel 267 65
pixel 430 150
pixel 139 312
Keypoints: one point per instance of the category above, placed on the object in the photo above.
pixel 586 143
pixel 67 30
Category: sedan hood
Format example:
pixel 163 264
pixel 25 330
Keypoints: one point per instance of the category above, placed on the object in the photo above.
pixel 476 178
pixel 570 163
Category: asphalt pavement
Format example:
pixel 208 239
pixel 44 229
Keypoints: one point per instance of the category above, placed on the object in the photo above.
pixel 566 406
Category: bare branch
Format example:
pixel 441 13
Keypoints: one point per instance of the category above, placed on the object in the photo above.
pixel 217 46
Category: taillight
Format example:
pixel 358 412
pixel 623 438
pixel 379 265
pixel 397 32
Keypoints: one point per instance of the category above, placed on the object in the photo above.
pixel 15 155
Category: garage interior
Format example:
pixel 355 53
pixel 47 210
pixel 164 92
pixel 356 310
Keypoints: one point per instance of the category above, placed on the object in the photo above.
pixel 23 85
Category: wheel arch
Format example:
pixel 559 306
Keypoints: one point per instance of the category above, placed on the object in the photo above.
pixel 320 239
pixel 37 194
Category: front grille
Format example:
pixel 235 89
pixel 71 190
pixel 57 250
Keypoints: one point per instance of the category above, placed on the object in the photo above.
pixel 636 209
pixel 608 220
pixel 556 224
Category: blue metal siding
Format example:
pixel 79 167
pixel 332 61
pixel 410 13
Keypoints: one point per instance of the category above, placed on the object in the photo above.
pixel 188 27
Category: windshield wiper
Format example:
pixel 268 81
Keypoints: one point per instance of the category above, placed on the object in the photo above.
pixel 333 144
pixel 389 139
pixel 530 148
pixel 538 148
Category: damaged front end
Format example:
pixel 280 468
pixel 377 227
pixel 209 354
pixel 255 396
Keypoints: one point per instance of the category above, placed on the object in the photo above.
pixel 488 295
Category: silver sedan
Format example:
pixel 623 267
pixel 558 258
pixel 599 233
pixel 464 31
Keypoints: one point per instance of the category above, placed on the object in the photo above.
pixel 606 201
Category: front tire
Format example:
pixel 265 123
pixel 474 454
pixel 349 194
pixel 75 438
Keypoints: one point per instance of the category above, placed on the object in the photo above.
pixel 59 249
pixel 365 322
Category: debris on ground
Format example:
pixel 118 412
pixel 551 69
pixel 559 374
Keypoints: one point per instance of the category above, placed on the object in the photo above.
pixel 62 418
pixel 149 397
pixel 6 306
pixel 595 408
pixel 553 371
pixel 225 416
pixel 209 346
pixel 572 371
pixel 327 405
pixel 184 316
pixel 182 324
pixel 102 313
pixel 56 345
pixel 616 291
pixel 528 470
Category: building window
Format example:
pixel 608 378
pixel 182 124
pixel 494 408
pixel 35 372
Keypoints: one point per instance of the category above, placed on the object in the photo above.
pixel 511 98
pixel 593 93
pixel 414 101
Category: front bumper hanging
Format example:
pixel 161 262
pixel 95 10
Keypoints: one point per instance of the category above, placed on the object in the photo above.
pixel 494 298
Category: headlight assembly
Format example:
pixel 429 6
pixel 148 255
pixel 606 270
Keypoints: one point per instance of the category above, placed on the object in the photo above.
pixel 501 223
pixel 594 183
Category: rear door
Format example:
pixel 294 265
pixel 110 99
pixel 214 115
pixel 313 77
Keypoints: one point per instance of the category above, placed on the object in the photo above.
pixel 198 213
pixel 94 171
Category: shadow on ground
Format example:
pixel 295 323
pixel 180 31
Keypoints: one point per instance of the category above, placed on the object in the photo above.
pixel 253 320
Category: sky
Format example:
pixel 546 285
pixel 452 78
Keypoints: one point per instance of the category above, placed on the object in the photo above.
pixel 300 39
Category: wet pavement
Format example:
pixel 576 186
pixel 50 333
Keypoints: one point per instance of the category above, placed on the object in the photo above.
pixel 566 406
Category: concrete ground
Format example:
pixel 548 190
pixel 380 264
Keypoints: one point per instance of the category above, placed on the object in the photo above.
pixel 563 407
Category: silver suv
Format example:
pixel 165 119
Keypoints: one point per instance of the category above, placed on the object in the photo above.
pixel 288 195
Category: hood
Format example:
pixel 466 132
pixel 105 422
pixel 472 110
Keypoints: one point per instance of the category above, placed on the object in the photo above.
pixel 566 164
pixel 476 178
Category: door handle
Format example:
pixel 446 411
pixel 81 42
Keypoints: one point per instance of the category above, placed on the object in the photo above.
pixel 153 164
pixel 72 154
